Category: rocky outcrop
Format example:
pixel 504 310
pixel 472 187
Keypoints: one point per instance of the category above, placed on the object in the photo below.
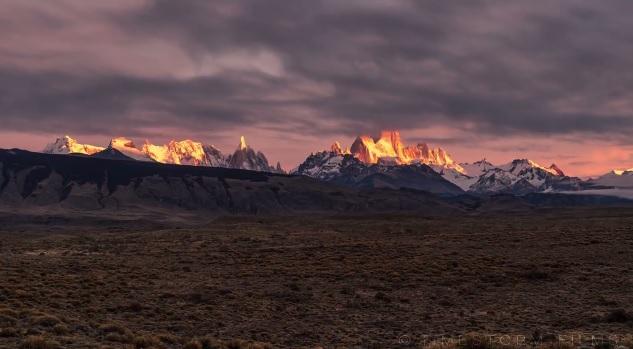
pixel 247 158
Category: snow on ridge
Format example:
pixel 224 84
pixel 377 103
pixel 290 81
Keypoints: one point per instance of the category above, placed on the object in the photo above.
pixel 185 152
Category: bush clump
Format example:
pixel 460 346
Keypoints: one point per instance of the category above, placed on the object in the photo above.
pixel 39 342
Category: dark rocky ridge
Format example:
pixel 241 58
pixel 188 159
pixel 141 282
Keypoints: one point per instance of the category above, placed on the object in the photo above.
pixel 83 183
pixel 91 183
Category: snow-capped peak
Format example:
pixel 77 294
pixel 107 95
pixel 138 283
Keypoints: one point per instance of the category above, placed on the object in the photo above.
pixel 477 168
pixel 620 172
pixel 68 145
pixel 127 147
pixel 518 165
pixel 390 148
pixel 620 178
pixel 246 158
pixel 62 144
pixel 122 142
pixel 185 152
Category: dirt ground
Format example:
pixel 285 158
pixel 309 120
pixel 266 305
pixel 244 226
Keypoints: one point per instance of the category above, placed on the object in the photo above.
pixel 385 281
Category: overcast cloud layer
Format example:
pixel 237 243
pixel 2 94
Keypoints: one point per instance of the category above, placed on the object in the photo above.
pixel 536 68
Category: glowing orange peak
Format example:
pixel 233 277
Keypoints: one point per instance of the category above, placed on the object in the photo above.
pixel 243 144
pixel 388 148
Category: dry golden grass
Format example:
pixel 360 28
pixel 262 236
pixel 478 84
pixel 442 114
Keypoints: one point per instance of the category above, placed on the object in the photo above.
pixel 39 342
pixel 44 320
pixel 304 282
pixel 146 342
pixel 9 332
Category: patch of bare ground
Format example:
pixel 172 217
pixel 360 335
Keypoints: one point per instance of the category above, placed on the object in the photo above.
pixel 384 281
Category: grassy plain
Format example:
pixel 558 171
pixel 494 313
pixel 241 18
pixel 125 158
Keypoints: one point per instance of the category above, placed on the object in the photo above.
pixel 362 281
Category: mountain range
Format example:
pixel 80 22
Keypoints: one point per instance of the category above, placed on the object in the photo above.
pixel 381 162
pixel 616 178
pixel 387 162
pixel 88 183
pixel 57 183
pixel 185 152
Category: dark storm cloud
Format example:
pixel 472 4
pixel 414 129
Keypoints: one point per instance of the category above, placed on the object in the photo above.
pixel 495 67
pixel 87 104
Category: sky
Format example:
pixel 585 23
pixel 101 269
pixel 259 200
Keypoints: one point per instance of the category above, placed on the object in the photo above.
pixel 541 79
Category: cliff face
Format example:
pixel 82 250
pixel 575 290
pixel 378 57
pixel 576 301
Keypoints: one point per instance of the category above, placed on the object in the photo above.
pixel 389 146
pixel 247 158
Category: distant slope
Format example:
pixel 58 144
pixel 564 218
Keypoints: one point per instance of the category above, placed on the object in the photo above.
pixel 615 179
pixel 111 182
pixel 96 183
pixel 112 154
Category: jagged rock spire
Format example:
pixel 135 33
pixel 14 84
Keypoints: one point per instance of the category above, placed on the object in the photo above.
pixel 336 148
pixel 243 144
pixel 389 147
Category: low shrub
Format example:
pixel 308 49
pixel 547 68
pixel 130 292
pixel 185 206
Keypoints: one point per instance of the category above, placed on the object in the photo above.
pixel 39 342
